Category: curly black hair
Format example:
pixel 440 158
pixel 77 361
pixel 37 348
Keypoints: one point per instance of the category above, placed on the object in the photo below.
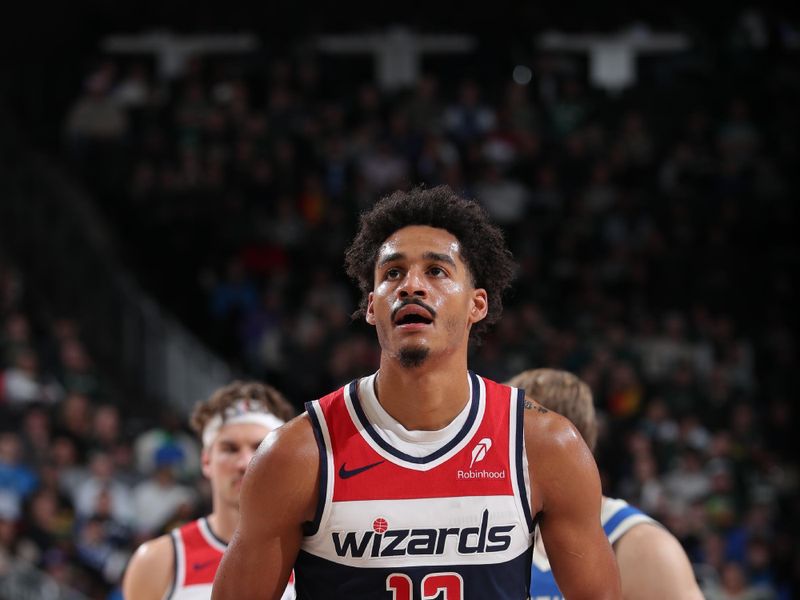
pixel 483 246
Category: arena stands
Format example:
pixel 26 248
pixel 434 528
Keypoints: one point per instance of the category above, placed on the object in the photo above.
pixel 654 231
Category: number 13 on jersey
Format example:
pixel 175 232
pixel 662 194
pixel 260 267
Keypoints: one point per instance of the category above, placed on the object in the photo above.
pixel 432 585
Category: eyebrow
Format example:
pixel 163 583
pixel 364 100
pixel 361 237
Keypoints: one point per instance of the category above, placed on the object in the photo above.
pixel 434 256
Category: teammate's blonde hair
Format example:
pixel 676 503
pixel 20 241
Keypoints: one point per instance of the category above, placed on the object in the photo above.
pixel 564 393
pixel 259 395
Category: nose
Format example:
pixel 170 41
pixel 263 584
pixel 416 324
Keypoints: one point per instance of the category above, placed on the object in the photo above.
pixel 413 284
pixel 244 459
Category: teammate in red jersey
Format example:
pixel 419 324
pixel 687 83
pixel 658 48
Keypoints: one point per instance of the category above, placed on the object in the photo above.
pixel 181 565
pixel 362 495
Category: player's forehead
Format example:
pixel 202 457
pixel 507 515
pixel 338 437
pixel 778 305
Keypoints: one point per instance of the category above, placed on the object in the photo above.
pixel 416 242
pixel 241 434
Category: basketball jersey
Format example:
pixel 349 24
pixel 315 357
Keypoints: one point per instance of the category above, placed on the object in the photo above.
pixel 198 553
pixel 617 516
pixel 416 515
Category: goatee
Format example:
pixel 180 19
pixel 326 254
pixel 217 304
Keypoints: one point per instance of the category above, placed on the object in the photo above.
pixel 413 357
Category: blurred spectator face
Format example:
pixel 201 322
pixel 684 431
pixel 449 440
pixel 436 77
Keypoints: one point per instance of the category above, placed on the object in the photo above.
pixel 123 456
pixel 720 445
pixel 742 421
pixel 759 518
pixel 73 356
pixel 721 480
pixel 63 452
pixel 44 509
pixel 645 469
pixel 758 555
pixel 102 507
pixel 75 413
pixel 639 444
pixel 28 362
pixel 65 329
pixel 714 550
pixel 657 411
pixel 101 466
pixel 9 448
pixel 470 94
pixel 106 424
pixel 225 461
pixel 691 461
pixel 17 328
pixel 733 578
pixel 8 532
pixel 426 87
pixel 368 98
pixel 36 423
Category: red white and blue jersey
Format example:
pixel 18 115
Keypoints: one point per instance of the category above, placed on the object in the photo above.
pixel 198 553
pixel 418 515
pixel 617 516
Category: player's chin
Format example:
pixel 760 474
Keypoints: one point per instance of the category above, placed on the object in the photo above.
pixel 413 355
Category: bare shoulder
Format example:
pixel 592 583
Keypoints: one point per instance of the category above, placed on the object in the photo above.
pixel 653 564
pixel 548 432
pixel 293 445
pixel 286 467
pixel 151 570
pixel 554 447
pixel 649 540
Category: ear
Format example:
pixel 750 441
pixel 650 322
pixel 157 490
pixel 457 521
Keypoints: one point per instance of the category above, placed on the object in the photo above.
pixel 370 316
pixel 205 463
pixel 480 306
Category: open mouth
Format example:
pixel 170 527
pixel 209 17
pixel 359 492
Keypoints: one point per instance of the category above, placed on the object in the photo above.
pixel 412 315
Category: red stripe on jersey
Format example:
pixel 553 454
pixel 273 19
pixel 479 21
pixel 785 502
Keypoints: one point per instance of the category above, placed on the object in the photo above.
pixel 201 560
pixel 386 479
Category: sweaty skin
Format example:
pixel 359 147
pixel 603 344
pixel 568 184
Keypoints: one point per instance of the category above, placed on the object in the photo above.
pixel 281 486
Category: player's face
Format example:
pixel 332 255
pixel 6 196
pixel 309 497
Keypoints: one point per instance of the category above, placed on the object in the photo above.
pixel 423 302
pixel 225 462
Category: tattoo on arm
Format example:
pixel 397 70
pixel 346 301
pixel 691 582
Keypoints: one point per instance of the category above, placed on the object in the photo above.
pixel 530 406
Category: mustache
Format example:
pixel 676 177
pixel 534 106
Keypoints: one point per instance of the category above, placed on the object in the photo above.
pixel 417 301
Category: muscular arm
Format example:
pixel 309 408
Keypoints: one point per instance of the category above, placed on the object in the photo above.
pixel 565 492
pixel 150 571
pixel 653 566
pixel 279 494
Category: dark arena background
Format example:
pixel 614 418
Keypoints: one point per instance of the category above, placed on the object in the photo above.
pixel 178 184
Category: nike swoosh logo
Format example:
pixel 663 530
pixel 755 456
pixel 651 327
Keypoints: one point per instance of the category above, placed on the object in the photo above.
pixel 202 565
pixel 345 473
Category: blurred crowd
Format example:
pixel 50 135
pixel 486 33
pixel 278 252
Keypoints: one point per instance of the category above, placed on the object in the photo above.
pixel 79 488
pixel 653 231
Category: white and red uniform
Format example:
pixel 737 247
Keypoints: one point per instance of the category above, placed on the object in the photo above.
pixel 198 553
pixel 417 515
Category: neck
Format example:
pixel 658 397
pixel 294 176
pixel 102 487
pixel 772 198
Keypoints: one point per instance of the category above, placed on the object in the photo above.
pixel 223 522
pixel 427 397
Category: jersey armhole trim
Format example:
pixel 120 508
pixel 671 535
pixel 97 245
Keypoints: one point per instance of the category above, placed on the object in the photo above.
pixel 519 411
pixel 173 536
pixel 311 527
pixel 618 527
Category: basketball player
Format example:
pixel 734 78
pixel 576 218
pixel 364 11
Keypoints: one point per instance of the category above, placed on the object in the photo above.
pixel 422 480
pixel 652 563
pixel 181 565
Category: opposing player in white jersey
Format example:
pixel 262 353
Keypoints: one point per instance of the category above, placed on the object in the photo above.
pixel 652 563
pixel 181 565
pixel 422 480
